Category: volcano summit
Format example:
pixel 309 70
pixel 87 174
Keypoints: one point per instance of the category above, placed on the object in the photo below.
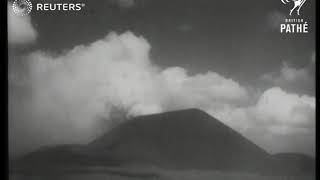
pixel 180 140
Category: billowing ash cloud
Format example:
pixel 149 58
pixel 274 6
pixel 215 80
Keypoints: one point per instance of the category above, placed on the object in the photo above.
pixel 75 96
pixel 300 80
pixel 20 29
pixel 286 110
pixel 64 98
pixel 279 121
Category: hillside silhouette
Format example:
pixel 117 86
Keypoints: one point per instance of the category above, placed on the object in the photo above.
pixel 181 140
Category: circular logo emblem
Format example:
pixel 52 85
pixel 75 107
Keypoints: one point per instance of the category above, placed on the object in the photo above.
pixel 22 7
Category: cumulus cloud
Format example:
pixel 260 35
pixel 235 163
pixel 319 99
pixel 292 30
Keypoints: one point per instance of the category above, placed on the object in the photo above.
pixel 75 96
pixel 62 98
pixel 300 80
pixel 67 98
pixel 278 107
pixel 288 74
pixel 20 29
pixel 287 117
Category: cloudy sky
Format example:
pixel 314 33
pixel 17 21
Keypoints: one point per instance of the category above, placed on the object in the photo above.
pixel 68 71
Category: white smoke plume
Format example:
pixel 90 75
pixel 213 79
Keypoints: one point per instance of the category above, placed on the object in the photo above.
pixel 66 98
pixel 75 96
pixel 20 28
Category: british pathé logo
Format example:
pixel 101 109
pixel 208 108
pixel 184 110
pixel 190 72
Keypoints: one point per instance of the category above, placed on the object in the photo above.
pixel 294 25
pixel 297 5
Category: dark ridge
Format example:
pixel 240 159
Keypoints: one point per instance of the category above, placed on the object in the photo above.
pixel 180 140
pixel 295 163
pixel 183 139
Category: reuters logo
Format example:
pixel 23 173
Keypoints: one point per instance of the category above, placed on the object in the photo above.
pixel 22 7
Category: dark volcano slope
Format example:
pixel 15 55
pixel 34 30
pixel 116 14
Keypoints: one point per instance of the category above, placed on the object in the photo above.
pixel 295 164
pixel 180 140
pixel 185 139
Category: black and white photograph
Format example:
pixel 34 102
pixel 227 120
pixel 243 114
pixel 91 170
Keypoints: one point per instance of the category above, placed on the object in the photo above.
pixel 161 89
